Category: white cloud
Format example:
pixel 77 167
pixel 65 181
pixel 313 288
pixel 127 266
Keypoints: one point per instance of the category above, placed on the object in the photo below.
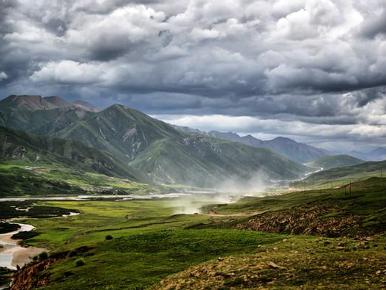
pixel 3 76
pixel 68 71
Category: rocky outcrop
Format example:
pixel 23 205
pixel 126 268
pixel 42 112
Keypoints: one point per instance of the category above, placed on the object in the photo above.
pixel 34 274
pixel 326 220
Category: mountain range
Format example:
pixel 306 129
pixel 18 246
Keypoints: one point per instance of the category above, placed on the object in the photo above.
pixel 293 150
pixel 135 142
pixel 377 154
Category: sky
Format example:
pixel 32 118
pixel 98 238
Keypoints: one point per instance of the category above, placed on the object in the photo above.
pixel 312 70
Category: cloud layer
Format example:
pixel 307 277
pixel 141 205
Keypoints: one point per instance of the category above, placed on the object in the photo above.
pixel 321 63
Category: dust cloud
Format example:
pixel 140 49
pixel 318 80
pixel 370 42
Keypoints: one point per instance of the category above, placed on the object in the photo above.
pixel 226 192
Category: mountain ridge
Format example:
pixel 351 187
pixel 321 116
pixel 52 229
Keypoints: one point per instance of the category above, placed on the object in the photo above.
pixel 287 147
pixel 163 153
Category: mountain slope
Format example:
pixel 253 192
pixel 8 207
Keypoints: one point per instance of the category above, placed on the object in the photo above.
pixel 293 150
pixel 17 145
pixel 333 161
pixel 346 174
pixel 38 115
pixel 157 149
pixel 167 155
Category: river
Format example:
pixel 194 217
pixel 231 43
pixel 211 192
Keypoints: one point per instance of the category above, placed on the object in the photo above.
pixel 12 253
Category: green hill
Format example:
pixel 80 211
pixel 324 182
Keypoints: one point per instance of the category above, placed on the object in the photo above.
pixel 339 176
pixel 328 162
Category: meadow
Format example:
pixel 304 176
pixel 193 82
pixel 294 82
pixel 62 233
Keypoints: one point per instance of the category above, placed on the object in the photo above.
pixel 141 244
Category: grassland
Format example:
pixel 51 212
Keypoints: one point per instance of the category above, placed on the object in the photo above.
pixel 42 178
pixel 149 242
pixel 153 247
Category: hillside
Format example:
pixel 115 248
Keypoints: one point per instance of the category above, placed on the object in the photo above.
pixel 342 175
pixel 20 146
pixel 328 162
pixel 293 150
pixel 152 147
pixel 347 230
pixel 38 165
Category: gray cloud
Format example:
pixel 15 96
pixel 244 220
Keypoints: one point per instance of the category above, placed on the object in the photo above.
pixel 320 62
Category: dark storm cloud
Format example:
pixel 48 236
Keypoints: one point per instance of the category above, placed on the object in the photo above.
pixel 319 62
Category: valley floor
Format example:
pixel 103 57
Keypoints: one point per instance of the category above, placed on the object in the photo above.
pixel 321 239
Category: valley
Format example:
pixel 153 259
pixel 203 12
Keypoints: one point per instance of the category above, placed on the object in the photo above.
pixel 193 145
pixel 115 199
pixel 137 244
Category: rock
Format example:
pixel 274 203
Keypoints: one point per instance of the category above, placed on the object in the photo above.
pixel 275 266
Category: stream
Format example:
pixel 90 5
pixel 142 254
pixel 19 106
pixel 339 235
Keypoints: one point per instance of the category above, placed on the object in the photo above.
pixel 13 254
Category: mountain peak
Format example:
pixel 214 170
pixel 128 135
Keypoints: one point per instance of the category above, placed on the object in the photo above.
pixel 27 102
pixel 36 102
pixel 284 139
pixel 57 101
pixel 85 106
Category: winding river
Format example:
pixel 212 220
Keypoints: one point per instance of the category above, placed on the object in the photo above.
pixel 12 254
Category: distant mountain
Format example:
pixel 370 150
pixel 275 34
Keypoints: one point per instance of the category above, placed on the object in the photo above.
pixel 328 162
pixel 158 150
pixel 293 150
pixel 377 154
pixel 18 145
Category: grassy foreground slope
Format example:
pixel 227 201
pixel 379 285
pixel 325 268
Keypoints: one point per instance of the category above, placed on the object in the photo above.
pixel 345 245
pixel 226 247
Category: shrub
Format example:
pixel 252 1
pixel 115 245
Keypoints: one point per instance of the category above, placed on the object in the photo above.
pixel 109 237
pixel 43 256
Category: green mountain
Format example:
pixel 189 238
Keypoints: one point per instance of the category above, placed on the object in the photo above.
pixel 298 152
pixel 328 162
pixel 18 145
pixel 152 147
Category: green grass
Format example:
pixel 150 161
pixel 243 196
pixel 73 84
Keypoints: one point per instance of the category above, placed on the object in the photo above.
pixel 150 243
pixel 42 178
pixel 337 177
pixel 140 260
